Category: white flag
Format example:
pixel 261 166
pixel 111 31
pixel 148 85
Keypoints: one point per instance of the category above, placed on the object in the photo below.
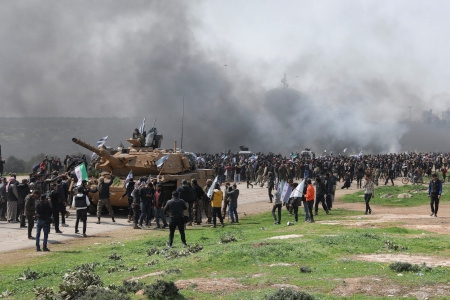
pixel 142 127
pixel 129 176
pixel 161 161
pixel 80 172
pixel 211 189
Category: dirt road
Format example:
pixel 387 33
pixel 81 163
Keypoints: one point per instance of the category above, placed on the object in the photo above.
pixel 251 201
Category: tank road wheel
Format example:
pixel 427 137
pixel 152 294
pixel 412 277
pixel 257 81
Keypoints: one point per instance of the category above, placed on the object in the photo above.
pixel 92 209
pixel 405 180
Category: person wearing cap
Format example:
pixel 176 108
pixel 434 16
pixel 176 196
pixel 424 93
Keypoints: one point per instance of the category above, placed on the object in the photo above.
pixel 30 210
pixel 176 206
pixel 43 220
pixel 81 203
pixel 103 197
pixel 216 203
pixel 434 192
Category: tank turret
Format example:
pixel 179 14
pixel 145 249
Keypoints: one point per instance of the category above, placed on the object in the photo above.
pixel 139 161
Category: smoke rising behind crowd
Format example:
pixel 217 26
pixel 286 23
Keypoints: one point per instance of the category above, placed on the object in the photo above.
pixel 140 58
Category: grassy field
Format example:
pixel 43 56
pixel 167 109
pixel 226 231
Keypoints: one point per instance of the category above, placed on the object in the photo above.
pixel 251 267
pixel 419 195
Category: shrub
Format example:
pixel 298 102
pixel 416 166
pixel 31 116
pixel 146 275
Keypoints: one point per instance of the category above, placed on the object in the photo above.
pixel 289 294
pixel 162 290
pixel 87 267
pixel 115 256
pixel 45 293
pixel 228 238
pixel 28 274
pixel 77 282
pixel 101 293
pixel 407 267
pixel 131 286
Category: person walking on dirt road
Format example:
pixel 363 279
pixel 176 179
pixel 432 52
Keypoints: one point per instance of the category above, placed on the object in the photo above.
pixel 434 192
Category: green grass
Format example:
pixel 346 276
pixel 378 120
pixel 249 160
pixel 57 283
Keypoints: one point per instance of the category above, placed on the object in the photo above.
pixel 327 249
pixel 418 192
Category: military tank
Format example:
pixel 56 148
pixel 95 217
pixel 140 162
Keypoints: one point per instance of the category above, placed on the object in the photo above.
pixel 142 161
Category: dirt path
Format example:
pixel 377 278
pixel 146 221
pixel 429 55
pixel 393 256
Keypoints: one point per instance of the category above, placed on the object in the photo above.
pixel 251 201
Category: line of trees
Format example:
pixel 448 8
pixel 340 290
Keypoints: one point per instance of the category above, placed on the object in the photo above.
pixel 17 165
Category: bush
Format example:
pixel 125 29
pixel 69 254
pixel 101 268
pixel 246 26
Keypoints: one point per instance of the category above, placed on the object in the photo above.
pixel 162 290
pixel 407 267
pixel 289 294
pixel 101 293
pixel 131 286
pixel 115 256
pixel 45 293
pixel 77 282
pixel 28 274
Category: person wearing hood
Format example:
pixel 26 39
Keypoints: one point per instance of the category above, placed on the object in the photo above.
pixel 216 203
pixel 81 203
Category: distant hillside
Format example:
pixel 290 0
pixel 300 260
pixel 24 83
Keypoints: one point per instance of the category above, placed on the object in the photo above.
pixel 25 137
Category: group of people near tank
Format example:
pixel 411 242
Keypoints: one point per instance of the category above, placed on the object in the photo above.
pixel 43 199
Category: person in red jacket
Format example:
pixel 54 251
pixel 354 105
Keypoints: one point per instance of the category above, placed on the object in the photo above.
pixel 309 196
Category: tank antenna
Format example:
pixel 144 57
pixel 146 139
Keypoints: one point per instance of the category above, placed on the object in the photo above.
pixel 182 121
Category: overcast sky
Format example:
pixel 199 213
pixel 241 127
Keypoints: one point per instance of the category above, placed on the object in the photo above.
pixel 139 58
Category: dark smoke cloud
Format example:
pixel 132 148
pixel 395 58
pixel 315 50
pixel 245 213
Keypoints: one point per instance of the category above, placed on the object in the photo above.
pixel 140 58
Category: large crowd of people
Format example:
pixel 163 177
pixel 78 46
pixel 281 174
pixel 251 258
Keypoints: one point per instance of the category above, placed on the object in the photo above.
pixel 45 196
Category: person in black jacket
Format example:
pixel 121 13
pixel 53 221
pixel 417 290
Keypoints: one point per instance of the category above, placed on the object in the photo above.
pixel 160 202
pixel 54 201
pixel 187 193
pixel 43 220
pixel 128 192
pixel 320 196
pixel 103 197
pixel 81 203
pixel 147 195
pixel 176 206
pixel 198 204
pixel 22 191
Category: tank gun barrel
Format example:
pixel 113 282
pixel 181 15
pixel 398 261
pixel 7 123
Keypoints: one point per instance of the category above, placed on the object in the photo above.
pixel 114 161
pixel 86 145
